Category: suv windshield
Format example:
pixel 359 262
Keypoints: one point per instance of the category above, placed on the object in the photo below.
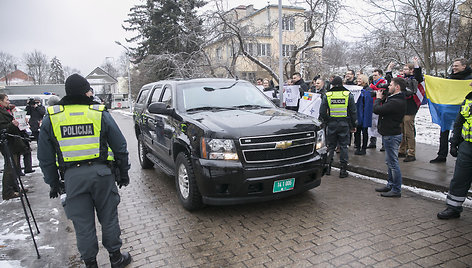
pixel 220 95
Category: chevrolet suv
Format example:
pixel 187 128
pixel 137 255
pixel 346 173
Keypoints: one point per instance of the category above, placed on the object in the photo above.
pixel 225 142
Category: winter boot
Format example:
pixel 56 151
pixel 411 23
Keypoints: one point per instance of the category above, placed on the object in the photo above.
pixel 91 264
pixel 343 171
pixel 119 260
pixel 373 143
pixel 328 170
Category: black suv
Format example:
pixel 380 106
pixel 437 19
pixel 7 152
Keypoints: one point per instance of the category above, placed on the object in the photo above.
pixel 226 142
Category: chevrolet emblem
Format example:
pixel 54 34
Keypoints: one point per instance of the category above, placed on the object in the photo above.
pixel 283 145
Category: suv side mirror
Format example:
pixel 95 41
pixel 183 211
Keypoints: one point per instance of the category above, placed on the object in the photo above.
pixel 160 108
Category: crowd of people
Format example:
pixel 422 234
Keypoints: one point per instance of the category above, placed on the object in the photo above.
pixel 386 108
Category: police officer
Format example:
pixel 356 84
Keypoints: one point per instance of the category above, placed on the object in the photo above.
pixel 338 111
pixel 461 147
pixel 80 132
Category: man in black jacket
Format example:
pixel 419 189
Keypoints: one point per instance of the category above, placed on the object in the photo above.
pixel 10 187
pixel 391 108
pixel 36 111
pixel 460 71
pixel 413 76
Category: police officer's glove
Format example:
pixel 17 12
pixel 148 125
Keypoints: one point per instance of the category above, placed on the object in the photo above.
pixel 453 150
pixel 124 179
pixel 56 189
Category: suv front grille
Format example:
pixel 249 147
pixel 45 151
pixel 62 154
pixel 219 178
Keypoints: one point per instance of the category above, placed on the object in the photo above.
pixel 277 147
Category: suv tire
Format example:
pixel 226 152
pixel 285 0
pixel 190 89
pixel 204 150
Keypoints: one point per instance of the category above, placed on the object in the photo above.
pixel 186 184
pixel 142 151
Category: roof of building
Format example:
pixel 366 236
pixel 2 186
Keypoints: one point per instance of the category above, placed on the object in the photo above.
pixel 99 77
pixel 18 75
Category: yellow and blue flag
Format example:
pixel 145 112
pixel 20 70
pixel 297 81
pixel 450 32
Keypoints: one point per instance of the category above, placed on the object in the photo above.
pixel 444 99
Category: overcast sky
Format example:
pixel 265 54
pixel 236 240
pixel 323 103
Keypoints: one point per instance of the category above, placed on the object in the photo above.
pixel 80 33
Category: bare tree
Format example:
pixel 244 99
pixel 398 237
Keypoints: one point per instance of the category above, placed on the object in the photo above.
pixel 68 71
pixel 38 67
pixel 7 65
pixel 318 16
pixel 420 25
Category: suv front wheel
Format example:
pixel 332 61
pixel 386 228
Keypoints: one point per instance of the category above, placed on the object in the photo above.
pixel 186 184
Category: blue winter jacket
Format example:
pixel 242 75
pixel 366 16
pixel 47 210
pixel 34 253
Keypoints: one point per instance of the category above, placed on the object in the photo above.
pixel 365 108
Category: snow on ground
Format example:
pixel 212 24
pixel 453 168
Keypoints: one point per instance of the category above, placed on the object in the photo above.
pixel 10 264
pixel 426 131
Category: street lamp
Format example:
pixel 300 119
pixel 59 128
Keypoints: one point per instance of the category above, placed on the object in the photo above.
pixel 129 75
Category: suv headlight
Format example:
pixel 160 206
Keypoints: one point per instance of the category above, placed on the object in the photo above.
pixel 218 149
pixel 321 142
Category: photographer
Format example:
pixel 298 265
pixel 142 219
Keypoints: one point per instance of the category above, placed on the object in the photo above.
pixel 391 107
pixel 36 111
pixel 8 124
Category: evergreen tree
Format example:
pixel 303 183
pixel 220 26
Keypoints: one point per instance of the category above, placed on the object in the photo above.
pixel 165 27
pixel 56 75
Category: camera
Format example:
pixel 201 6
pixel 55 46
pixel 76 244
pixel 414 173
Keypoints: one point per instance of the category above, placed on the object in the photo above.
pixel 383 88
pixel 31 102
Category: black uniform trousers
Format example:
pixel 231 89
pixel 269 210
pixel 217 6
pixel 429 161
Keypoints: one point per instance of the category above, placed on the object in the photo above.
pixel 462 178
pixel 338 133
pixel 92 188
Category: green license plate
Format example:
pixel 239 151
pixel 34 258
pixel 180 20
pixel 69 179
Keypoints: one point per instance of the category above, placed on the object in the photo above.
pixel 283 185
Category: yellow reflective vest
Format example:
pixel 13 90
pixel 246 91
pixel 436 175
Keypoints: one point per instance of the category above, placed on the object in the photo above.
pixel 338 102
pixel 467 126
pixel 77 130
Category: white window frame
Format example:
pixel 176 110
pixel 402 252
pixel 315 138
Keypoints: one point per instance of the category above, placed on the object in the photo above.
pixel 263 50
pixel 288 23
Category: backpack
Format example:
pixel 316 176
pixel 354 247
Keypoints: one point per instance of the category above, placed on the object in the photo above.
pixel 411 87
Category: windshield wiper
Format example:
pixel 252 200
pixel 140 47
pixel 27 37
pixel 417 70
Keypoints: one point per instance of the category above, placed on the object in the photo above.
pixel 208 108
pixel 253 106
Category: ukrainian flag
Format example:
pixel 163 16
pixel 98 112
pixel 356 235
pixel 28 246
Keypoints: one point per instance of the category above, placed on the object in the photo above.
pixel 445 97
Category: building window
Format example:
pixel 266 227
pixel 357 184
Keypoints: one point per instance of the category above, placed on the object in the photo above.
pixel 263 50
pixel 249 76
pixel 287 50
pixel 249 48
pixel 219 53
pixel 288 23
pixel 306 27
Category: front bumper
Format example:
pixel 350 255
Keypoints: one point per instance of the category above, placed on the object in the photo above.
pixel 229 182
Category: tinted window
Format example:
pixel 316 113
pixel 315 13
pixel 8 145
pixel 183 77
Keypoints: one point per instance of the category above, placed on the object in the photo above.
pixel 227 94
pixel 21 102
pixel 156 94
pixel 143 96
pixel 167 97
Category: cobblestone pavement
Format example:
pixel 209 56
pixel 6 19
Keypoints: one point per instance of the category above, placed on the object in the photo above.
pixel 342 223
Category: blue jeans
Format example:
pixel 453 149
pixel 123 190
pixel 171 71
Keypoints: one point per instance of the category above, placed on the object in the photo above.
pixel 391 144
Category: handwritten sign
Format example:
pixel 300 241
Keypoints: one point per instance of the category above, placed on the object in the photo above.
pixel 291 95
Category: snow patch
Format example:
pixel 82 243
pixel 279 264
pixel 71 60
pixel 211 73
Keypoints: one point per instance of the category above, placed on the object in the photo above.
pixel 55 211
pixel 10 264
pixel 46 247
pixel 54 221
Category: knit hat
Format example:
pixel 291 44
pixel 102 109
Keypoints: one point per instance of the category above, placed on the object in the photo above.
pixel 337 82
pixel 53 100
pixel 77 85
